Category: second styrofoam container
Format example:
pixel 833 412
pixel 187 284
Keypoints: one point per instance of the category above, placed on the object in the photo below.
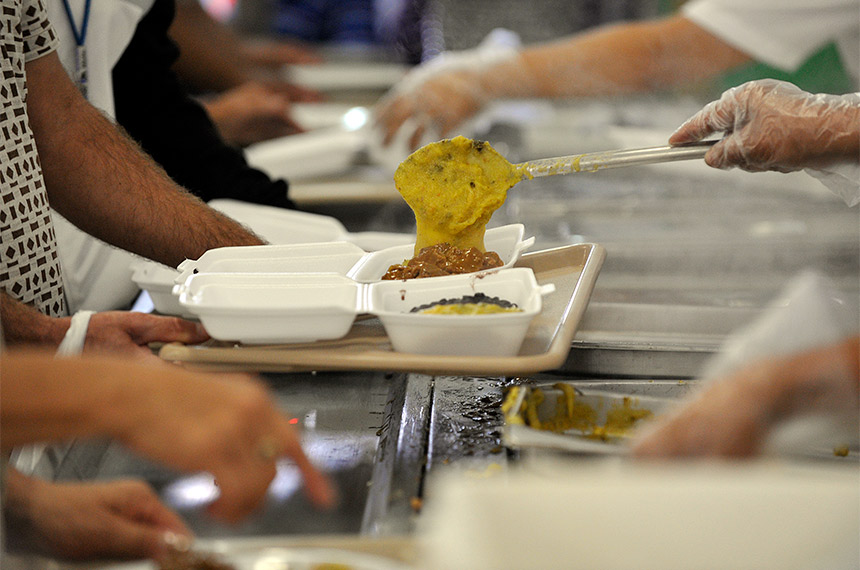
pixel 497 334
pixel 506 240
pixel 326 257
pixel 157 280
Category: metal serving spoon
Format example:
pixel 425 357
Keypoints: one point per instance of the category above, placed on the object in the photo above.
pixel 593 161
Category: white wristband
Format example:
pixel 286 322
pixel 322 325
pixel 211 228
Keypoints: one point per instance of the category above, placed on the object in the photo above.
pixel 73 341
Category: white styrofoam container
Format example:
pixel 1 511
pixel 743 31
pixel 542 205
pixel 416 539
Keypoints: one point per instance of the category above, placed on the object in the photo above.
pixel 272 307
pixel 506 240
pixel 157 280
pixel 327 257
pixel 283 226
pixel 342 257
pixel 497 334
pixel 264 308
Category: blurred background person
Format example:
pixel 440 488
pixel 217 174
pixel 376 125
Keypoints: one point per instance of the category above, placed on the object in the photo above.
pixel 241 82
pixel 702 42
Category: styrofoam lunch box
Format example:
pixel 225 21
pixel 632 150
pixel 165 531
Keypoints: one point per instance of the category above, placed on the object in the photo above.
pixel 341 257
pixel 335 257
pixel 158 280
pixel 266 308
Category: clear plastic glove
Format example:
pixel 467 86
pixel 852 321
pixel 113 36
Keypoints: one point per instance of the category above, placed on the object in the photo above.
pixel 733 416
pixel 797 360
pixel 774 125
pixel 442 93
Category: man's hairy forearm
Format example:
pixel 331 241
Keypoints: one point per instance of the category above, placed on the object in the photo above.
pixel 101 181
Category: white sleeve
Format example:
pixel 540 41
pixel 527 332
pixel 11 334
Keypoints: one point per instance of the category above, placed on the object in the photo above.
pixel 781 33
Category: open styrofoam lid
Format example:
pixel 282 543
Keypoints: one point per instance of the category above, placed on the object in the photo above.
pixel 335 257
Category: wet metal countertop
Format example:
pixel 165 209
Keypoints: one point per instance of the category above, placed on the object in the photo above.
pixel 692 253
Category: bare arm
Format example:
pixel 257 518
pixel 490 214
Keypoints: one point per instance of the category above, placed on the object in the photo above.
pixel 121 332
pixel 620 58
pixel 610 60
pixel 100 180
pixel 210 54
pixel 191 421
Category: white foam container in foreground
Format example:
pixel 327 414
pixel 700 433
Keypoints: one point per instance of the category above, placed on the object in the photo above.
pixel 266 308
pixel 497 334
pixel 263 308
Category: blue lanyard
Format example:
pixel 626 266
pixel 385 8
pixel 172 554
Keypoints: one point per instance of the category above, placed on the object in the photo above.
pixel 80 36
pixel 80 39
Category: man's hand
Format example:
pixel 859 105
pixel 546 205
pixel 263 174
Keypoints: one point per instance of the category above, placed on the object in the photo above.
pixel 252 113
pixel 225 424
pixel 125 332
pixel 87 521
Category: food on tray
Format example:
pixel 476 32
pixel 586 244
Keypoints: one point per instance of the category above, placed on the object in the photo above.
pixel 572 413
pixel 477 304
pixel 443 259
pixel 453 186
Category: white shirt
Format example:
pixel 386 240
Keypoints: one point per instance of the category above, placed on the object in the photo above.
pixel 95 276
pixel 783 33
pixel 110 29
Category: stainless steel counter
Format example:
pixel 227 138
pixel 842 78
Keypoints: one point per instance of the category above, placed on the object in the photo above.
pixel 691 255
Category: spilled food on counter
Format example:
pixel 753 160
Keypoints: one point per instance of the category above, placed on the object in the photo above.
pixel 562 416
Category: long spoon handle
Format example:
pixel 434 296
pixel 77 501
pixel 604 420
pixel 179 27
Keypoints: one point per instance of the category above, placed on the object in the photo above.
pixel 592 161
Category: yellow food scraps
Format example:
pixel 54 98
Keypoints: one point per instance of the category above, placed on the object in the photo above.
pixel 469 309
pixel 571 413
pixel 453 186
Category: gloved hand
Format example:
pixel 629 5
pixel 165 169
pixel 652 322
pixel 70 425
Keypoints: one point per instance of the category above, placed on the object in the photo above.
pixel 733 415
pixel 774 125
pixel 442 93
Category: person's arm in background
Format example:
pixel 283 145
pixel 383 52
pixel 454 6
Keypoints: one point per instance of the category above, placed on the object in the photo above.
pixel 732 416
pixel 249 102
pixel 156 110
pixel 121 332
pixel 609 60
pixel 225 424
pixel 213 58
pixel 100 180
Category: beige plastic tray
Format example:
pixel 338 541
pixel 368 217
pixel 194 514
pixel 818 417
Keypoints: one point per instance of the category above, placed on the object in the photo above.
pixel 572 269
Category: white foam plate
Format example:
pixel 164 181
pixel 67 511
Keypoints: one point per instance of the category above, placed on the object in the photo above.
pixel 244 554
pixel 266 308
pixel 282 226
